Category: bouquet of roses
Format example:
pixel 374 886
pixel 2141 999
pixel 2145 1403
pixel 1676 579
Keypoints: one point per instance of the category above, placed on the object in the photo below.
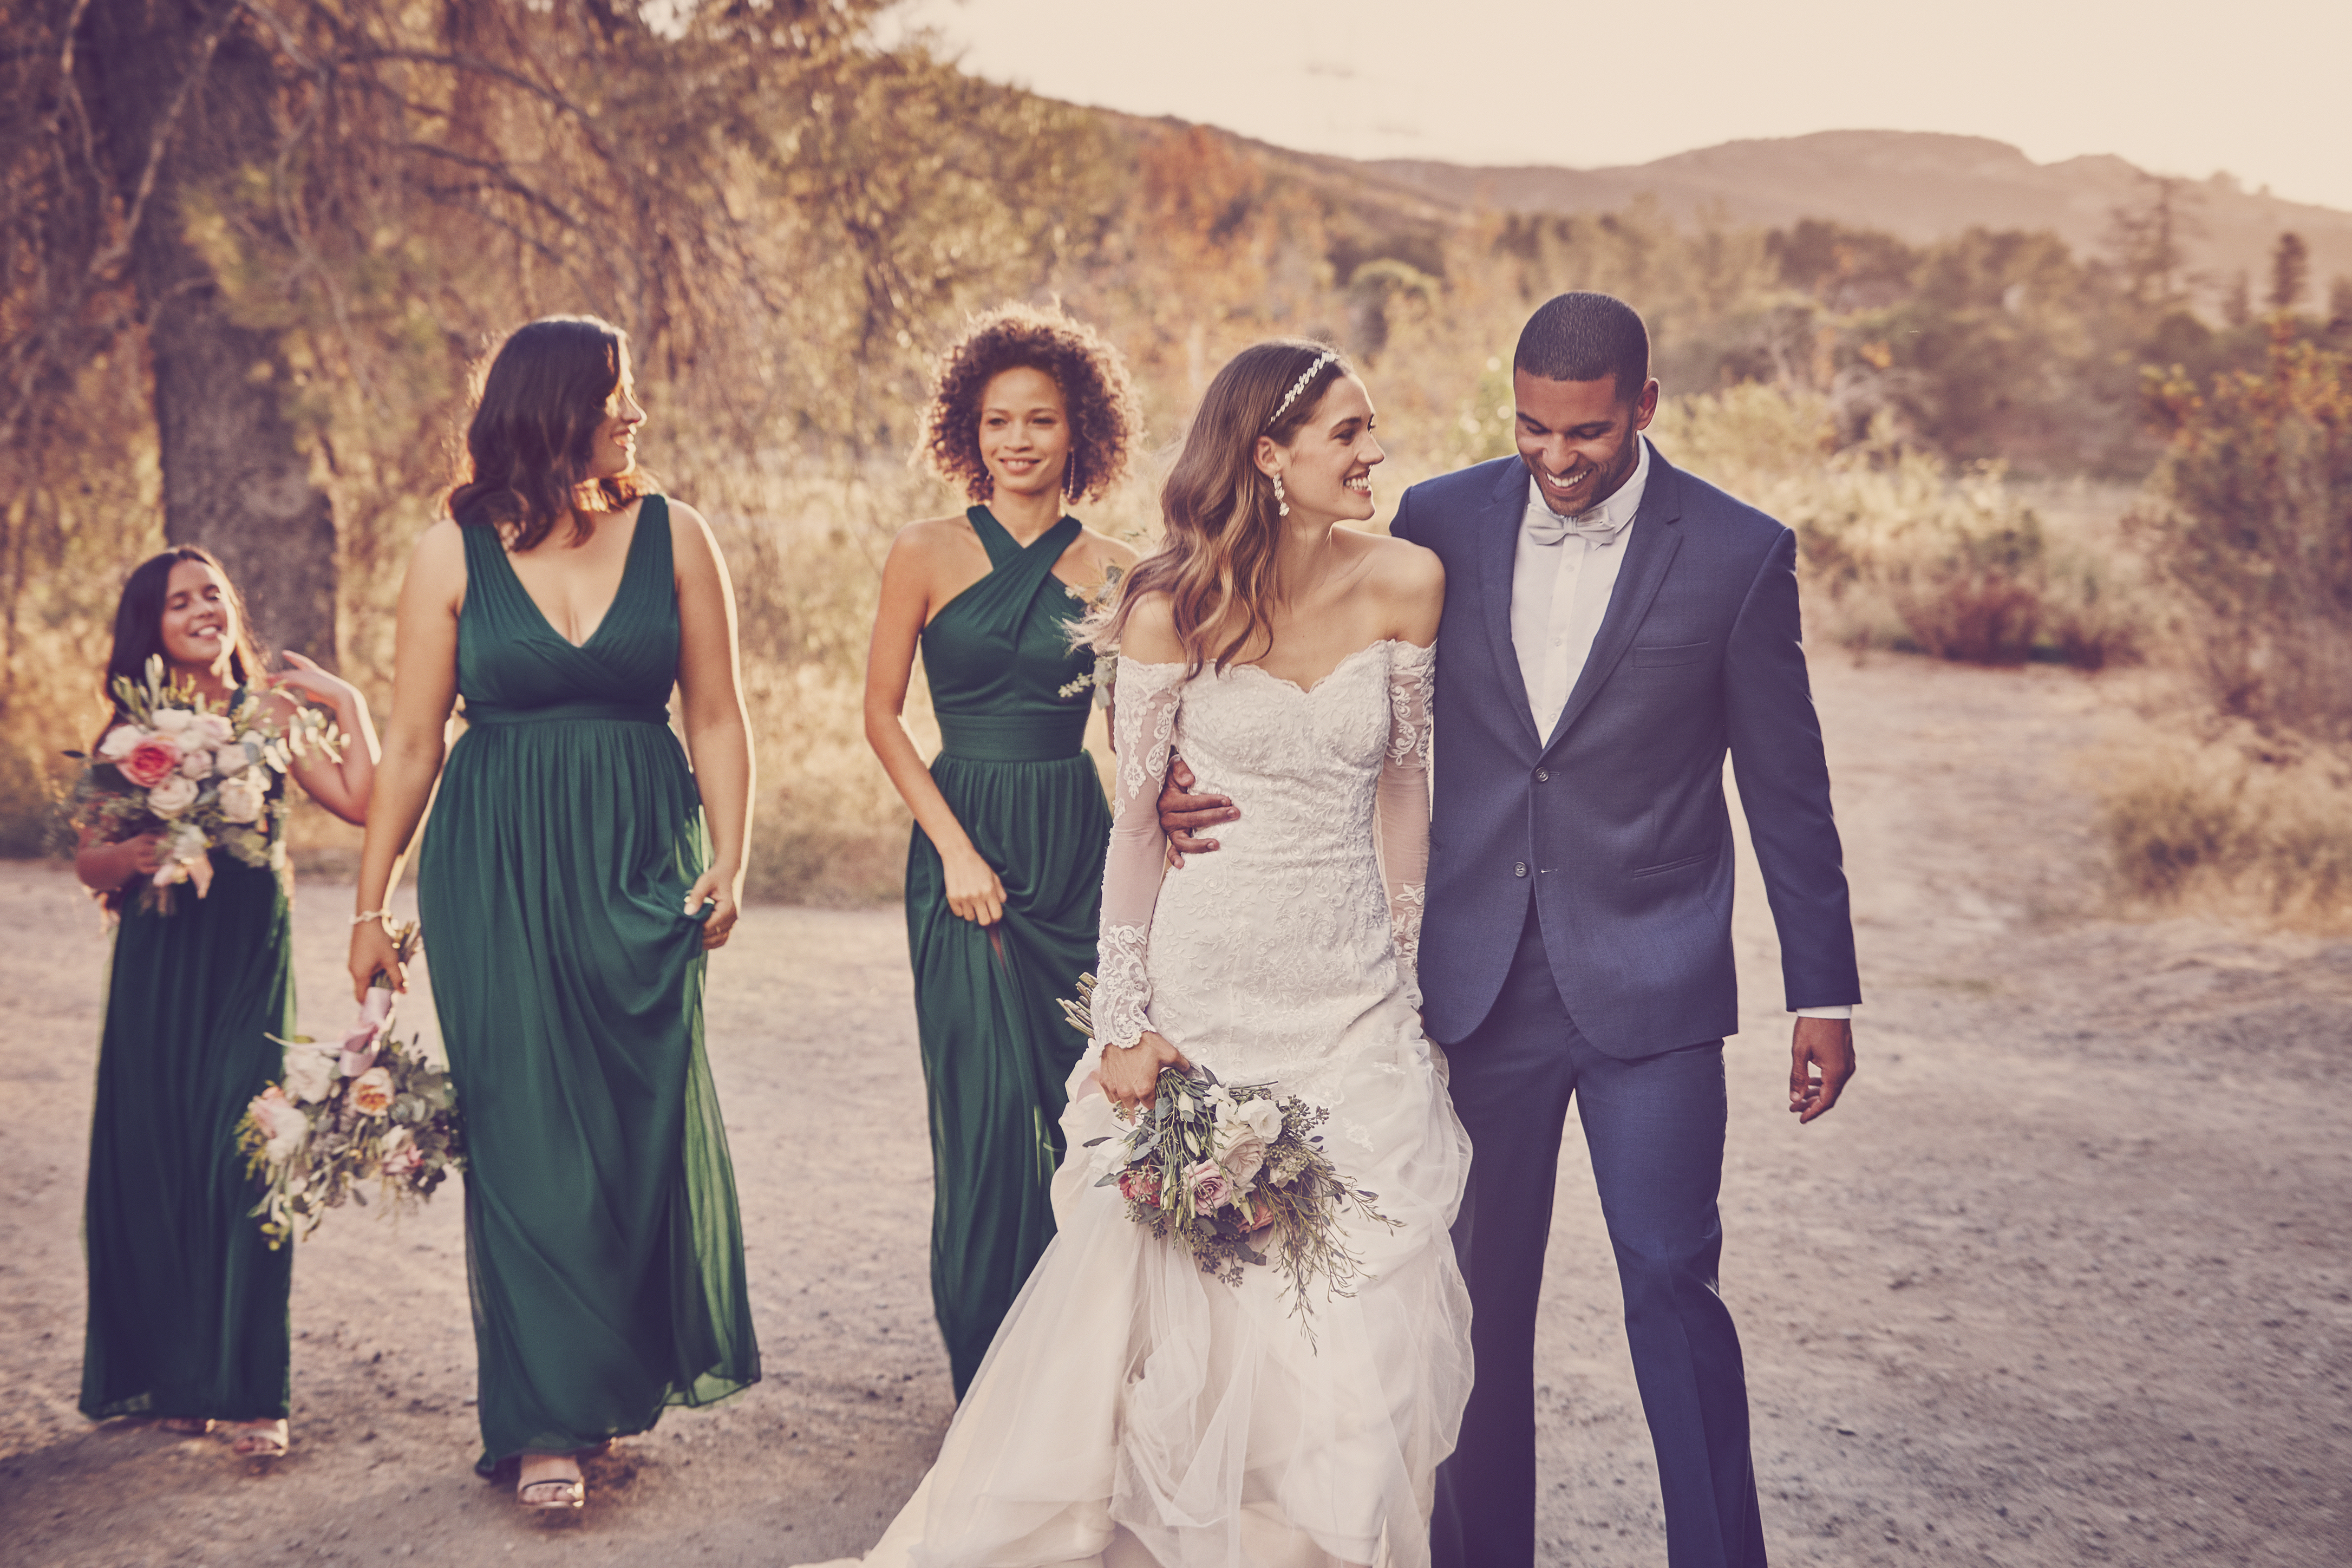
pixel 198 775
pixel 368 1108
pixel 1233 1174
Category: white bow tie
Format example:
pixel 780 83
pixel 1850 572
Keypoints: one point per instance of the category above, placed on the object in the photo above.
pixel 1545 526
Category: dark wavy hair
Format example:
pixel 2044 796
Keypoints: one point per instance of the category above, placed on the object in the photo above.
pixel 1089 372
pixel 139 624
pixel 1215 561
pixel 541 401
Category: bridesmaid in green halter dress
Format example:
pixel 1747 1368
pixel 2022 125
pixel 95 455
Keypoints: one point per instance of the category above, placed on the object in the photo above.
pixel 569 891
pixel 1005 872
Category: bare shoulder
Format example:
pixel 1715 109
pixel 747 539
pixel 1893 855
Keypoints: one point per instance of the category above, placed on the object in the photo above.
pixel 694 548
pixel 1401 569
pixel 1106 552
pixel 438 565
pixel 1148 635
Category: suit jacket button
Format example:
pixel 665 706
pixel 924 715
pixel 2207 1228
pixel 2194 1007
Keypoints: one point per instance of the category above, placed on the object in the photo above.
pixel 1543 776
pixel 1520 869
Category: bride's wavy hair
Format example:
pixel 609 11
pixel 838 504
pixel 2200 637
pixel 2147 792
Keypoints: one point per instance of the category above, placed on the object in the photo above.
pixel 1215 561
pixel 541 402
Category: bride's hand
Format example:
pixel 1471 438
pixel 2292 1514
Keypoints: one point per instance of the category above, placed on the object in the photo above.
pixel 1130 1075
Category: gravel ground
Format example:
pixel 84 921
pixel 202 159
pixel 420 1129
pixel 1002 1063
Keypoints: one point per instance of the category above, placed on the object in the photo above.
pixel 2064 1281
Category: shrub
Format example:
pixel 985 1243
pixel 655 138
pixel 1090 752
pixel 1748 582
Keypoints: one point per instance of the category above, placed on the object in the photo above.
pixel 2234 823
pixel 2250 520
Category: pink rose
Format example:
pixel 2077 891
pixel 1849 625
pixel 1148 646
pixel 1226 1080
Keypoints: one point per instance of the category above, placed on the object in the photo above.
pixel 281 1122
pixel 1243 1158
pixel 1212 1188
pixel 399 1153
pixel 151 762
pixel 372 1092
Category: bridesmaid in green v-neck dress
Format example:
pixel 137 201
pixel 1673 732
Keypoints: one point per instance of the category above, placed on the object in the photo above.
pixel 1005 872
pixel 569 889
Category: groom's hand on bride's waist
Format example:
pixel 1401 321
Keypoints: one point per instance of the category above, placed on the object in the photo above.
pixel 1183 814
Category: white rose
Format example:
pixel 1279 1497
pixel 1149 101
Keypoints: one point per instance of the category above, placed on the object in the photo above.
pixel 196 764
pixel 230 761
pixel 173 796
pixel 1262 1117
pixel 282 1123
pixel 210 729
pixel 118 743
pixel 241 799
pixel 310 1073
pixel 171 720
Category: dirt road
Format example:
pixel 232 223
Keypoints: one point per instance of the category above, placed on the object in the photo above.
pixel 2065 1281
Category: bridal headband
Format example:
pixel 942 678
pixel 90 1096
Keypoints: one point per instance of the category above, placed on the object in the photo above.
pixel 1298 386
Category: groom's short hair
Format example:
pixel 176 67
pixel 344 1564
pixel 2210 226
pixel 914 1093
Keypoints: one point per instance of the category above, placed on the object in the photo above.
pixel 1584 336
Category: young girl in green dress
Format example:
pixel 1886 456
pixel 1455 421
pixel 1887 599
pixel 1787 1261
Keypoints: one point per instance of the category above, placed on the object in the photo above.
pixel 1005 872
pixel 569 891
pixel 187 1302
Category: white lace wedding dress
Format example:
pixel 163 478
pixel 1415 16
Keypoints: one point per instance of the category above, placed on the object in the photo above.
pixel 1134 1410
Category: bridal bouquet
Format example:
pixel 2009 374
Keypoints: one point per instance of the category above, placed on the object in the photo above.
pixel 1233 1174
pixel 199 776
pixel 368 1108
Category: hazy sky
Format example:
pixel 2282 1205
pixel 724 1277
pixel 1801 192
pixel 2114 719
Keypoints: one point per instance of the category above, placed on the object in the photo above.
pixel 2255 87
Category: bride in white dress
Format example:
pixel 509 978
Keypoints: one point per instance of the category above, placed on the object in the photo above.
pixel 1135 1412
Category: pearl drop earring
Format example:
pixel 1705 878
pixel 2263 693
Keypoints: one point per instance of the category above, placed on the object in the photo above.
pixel 1281 506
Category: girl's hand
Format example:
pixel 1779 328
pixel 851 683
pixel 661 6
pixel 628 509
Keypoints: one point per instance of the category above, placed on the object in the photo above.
pixel 308 681
pixel 974 891
pixel 373 954
pixel 716 888
pixel 1129 1074
pixel 140 856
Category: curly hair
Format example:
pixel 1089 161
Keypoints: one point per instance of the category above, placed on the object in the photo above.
pixel 1089 372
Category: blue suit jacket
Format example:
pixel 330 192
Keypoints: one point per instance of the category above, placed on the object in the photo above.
pixel 1615 823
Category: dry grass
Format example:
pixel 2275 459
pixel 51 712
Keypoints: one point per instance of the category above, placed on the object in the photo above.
pixel 2229 824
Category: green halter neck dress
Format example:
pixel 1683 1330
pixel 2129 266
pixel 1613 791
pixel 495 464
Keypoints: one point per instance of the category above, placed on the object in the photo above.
pixel 602 1240
pixel 187 1302
pixel 996 1051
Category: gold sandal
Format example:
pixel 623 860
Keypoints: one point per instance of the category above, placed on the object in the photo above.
pixel 553 1494
pixel 259 1439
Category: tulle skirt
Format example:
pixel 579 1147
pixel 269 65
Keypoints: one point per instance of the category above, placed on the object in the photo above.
pixel 1137 1411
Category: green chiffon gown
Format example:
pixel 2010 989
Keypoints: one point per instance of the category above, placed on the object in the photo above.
pixel 996 1051
pixel 602 1240
pixel 187 1302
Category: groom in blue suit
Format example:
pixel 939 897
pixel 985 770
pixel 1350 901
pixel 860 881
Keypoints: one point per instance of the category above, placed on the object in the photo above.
pixel 1613 628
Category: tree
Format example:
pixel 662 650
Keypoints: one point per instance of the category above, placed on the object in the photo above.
pixel 2290 270
pixel 2146 242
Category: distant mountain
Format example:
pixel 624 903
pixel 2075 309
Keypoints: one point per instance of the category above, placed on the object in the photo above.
pixel 1919 185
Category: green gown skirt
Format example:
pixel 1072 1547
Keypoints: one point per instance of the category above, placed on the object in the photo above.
pixel 187 1302
pixel 601 1239
pixel 996 1050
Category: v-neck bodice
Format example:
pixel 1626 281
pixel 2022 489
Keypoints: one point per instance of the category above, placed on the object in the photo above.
pixel 998 655
pixel 514 666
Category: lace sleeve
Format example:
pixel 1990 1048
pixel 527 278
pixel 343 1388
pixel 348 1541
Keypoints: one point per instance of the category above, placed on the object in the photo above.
pixel 1401 809
pixel 1149 698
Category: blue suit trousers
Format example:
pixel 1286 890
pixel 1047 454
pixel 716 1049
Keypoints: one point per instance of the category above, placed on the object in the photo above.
pixel 1655 1129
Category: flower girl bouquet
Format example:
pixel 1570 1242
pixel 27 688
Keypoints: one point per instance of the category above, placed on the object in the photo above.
pixel 1235 1175
pixel 368 1108
pixel 199 776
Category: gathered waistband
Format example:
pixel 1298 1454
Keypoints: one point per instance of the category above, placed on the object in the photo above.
pixel 562 713
pixel 1012 737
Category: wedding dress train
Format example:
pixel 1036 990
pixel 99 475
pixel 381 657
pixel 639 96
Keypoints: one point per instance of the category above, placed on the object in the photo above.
pixel 1133 1411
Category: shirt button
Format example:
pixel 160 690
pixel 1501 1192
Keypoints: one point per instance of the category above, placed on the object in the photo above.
pixel 1543 776
pixel 1520 869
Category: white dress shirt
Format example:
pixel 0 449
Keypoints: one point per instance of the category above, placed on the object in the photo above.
pixel 1559 593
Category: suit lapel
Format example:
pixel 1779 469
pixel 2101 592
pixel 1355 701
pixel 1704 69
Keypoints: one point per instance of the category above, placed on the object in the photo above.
pixel 1499 549
pixel 1648 554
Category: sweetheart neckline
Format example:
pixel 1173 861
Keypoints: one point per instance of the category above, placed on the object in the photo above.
pixel 1320 682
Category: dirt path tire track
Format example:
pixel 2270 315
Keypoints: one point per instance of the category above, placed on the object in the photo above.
pixel 2067 1280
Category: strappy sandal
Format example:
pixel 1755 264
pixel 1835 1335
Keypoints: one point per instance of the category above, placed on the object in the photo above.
pixel 184 1426
pixel 553 1494
pixel 260 1439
